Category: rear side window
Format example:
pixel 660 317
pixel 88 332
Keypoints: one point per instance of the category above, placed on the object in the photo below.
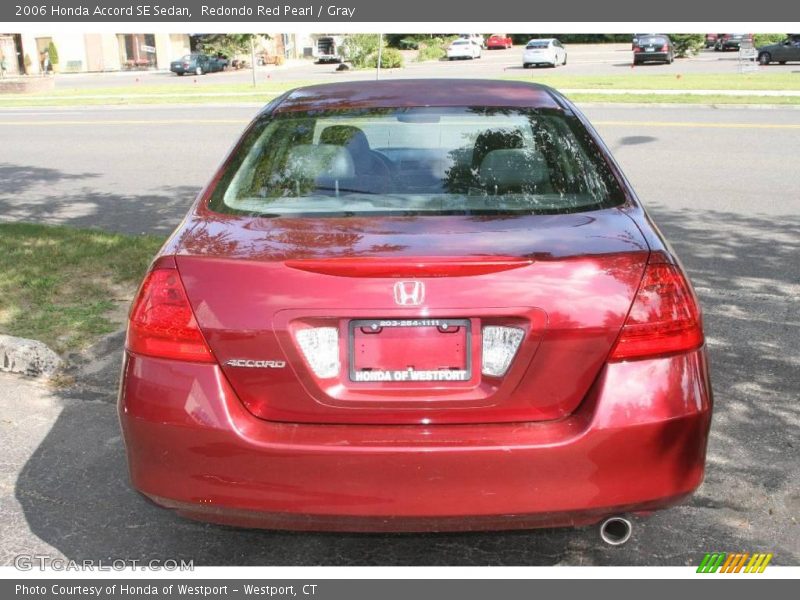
pixel 416 161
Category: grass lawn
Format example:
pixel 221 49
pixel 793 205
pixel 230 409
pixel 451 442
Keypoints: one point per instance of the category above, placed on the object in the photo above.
pixel 681 99
pixel 137 93
pixel 636 80
pixel 187 93
pixel 65 286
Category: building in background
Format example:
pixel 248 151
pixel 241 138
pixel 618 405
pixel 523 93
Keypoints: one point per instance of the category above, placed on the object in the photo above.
pixel 88 52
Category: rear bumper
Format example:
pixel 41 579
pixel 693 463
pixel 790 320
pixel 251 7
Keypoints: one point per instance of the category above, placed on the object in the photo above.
pixel 637 443
pixel 539 59
pixel 651 56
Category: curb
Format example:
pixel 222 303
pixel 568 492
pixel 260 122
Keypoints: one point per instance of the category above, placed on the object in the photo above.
pixel 28 357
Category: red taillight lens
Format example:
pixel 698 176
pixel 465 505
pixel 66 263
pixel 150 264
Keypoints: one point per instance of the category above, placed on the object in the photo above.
pixel 162 323
pixel 664 317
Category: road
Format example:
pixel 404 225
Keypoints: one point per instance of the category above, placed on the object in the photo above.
pixel 721 183
pixel 583 59
pixel 131 170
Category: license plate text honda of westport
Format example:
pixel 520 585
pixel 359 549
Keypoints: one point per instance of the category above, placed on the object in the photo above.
pixel 416 305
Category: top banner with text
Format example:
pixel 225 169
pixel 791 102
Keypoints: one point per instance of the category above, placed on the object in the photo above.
pixel 267 11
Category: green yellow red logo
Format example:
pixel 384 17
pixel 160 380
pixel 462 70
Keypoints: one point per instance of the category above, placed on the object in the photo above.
pixel 734 562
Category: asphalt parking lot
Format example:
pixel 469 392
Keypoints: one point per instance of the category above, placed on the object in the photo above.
pixel 722 185
pixel 583 59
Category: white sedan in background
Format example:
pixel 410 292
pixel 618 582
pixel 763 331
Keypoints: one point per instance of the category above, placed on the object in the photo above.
pixel 463 48
pixel 544 52
pixel 475 37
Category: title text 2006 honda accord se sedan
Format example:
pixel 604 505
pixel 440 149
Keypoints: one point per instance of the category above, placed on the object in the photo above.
pixel 416 305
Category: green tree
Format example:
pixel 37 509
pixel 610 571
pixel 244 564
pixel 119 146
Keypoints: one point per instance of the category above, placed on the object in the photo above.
pixel 765 39
pixel 53 52
pixel 686 44
pixel 226 44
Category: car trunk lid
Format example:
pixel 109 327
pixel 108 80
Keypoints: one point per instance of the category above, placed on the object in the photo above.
pixel 566 281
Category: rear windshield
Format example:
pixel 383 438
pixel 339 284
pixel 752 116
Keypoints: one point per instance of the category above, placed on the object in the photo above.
pixel 543 44
pixel 652 39
pixel 416 161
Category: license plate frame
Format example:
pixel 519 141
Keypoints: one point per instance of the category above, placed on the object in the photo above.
pixel 401 376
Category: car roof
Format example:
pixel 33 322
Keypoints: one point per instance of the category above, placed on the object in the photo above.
pixel 418 92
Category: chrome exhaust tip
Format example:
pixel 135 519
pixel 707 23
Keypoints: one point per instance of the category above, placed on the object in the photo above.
pixel 615 531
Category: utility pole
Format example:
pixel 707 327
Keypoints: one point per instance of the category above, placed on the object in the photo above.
pixel 253 57
pixel 380 53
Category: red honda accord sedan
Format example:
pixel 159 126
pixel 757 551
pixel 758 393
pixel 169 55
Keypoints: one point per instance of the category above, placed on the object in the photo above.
pixel 416 305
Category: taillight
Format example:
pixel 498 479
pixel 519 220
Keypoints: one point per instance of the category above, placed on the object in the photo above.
pixel 664 317
pixel 162 323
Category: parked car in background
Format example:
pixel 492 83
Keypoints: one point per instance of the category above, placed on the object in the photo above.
pixel 732 41
pixel 499 41
pixel 196 64
pixel 653 48
pixel 637 36
pixel 463 48
pixel 711 40
pixel 548 51
pixel 221 61
pixel 475 37
pixel 417 305
pixel 782 52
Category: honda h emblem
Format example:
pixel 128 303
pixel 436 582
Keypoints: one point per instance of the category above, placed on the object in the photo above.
pixel 409 293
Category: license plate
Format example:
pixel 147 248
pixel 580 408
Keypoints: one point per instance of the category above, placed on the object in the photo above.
pixel 649 49
pixel 410 350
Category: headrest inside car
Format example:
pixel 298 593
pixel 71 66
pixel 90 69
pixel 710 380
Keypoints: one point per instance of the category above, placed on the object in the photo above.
pixel 319 161
pixel 517 169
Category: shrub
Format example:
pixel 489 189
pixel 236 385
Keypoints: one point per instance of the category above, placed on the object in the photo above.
pixel 407 44
pixel 390 59
pixel 433 49
pixel 359 47
pixel 686 44
pixel 765 39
